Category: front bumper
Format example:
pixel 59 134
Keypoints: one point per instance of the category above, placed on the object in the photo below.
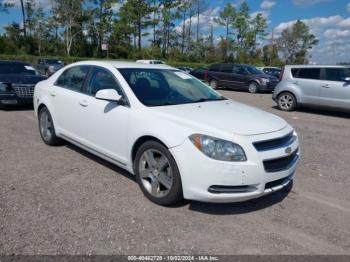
pixel 270 86
pixel 203 178
pixel 11 98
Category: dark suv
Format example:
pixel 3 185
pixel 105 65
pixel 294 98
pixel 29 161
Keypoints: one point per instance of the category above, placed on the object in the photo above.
pixel 245 77
pixel 17 82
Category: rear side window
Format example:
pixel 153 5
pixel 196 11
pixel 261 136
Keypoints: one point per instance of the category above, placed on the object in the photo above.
pixel 226 68
pixel 337 74
pixel 307 73
pixel 215 68
pixel 73 78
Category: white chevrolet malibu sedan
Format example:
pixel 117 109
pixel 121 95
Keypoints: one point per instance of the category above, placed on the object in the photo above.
pixel 179 137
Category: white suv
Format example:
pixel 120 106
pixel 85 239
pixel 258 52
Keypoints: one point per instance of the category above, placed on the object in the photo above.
pixel 316 85
pixel 177 135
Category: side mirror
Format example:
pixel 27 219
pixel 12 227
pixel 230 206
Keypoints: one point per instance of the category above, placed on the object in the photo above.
pixel 108 95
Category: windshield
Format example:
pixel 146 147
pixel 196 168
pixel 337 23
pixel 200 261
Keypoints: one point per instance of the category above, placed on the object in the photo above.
pixel 254 70
pixel 21 69
pixel 52 61
pixel 160 87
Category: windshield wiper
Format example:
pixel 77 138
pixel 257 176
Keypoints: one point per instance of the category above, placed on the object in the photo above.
pixel 209 99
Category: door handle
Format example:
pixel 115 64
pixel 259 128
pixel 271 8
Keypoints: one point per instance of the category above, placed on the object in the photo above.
pixel 83 103
pixel 326 86
pixel 53 93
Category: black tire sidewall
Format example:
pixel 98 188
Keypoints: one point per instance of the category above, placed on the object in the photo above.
pixel 54 140
pixel 175 195
pixel 216 84
pixel 256 85
pixel 292 108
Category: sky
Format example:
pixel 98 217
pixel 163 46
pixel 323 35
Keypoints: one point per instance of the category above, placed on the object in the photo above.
pixel 329 21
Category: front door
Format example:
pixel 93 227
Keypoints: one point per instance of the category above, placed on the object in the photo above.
pixel 106 124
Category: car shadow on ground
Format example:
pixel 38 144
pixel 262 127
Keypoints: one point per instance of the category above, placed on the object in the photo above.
pixel 101 161
pixel 209 208
pixel 242 207
pixel 321 111
pixel 11 108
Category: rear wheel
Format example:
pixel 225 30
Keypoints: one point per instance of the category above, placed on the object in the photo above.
pixel 214 84
pixel 157 174
pixel 253 88
pixel 47 128
pixel 286 101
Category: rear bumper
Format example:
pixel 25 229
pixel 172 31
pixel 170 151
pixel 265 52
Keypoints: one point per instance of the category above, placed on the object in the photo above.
pixel 268 87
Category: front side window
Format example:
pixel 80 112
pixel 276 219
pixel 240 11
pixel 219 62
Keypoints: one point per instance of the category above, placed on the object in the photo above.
pixel 161 87
pixel 307 73
pixel 239 70
pixel 215 68
pixel 102 79
pixel 73 78
pixel 337 74
pixel 226 68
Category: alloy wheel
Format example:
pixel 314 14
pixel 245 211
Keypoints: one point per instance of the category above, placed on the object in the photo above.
pixel 155 173
pixel 286 102
pixel 45 125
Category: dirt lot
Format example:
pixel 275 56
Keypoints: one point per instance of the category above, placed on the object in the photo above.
pixel 61 200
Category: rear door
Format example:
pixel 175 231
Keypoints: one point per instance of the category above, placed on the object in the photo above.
pixel 68 101
pixel 227 75
pixel 239 76
pixel 309 84
pixel 335 91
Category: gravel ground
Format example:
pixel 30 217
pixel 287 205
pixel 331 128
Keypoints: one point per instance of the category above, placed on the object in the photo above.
pixel 62 200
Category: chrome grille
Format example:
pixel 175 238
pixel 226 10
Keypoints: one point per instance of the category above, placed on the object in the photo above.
pixel 23 90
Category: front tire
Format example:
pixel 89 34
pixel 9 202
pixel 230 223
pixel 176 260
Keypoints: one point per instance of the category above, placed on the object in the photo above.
pixel 286 101
pixel 253 88
pixel 157 174
pixel 214 84
pixel 47 128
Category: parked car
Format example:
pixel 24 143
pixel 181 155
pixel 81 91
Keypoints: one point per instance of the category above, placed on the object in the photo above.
pixel 245 77
pixel 17 81
pixel 325 86
pixel 185 69
pixel 179 137
pixel 152 62
pixel 269 70
pixel 199 73
pixel 48 66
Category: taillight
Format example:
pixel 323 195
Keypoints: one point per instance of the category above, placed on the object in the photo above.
pixel 206 75
pixel 281 75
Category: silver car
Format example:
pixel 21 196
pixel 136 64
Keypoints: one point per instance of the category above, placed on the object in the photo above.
pixel 313 85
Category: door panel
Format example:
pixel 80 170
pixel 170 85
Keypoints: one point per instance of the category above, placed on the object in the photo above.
pixel 335 92
pixel 308 81
pixel 106 124
pixel 67 94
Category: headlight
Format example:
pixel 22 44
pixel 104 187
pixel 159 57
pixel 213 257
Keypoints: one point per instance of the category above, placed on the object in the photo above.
pixel 217 148
pixel 265 80
pixel 3 87
pixel 51 69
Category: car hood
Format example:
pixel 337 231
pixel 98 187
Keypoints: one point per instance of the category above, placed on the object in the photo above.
pixel 223 116
pixel 21 79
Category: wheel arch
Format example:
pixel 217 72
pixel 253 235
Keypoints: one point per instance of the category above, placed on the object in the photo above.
pixel 140 141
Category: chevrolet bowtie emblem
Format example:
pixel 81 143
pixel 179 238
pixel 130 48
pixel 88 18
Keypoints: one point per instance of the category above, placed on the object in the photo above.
pixel 288 150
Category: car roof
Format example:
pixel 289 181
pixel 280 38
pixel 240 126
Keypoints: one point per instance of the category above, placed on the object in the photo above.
pixel 13 62
pixel 313 66
pixel 123 64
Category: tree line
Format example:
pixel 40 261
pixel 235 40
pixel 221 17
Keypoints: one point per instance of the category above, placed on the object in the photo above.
pixel 174 30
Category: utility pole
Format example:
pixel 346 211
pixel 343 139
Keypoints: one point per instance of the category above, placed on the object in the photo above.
pixel 24 20
pixel 272 46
